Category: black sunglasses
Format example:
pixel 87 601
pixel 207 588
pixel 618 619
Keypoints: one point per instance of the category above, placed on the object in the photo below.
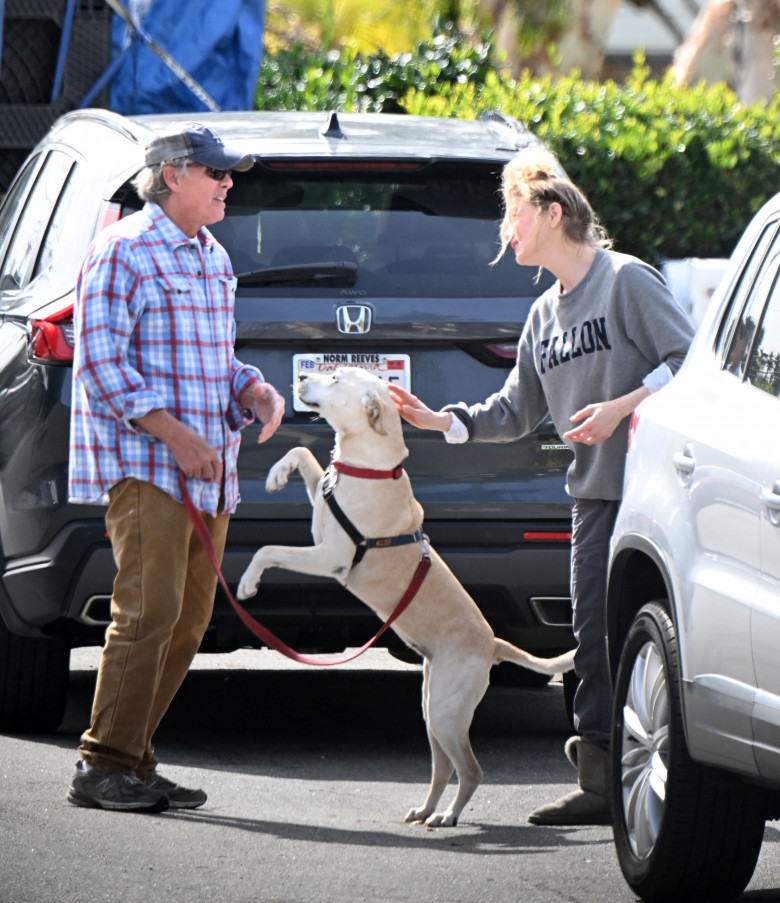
pixel 217 174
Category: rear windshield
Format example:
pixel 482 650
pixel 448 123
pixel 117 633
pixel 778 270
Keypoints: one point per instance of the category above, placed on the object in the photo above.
pixel 377 229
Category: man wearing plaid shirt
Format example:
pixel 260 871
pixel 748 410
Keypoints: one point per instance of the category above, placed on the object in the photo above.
pixel 157 389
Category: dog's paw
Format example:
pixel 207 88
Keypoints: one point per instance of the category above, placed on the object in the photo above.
pixel 278 476
pixel 441 820
pixel 248 585
pixel 417 815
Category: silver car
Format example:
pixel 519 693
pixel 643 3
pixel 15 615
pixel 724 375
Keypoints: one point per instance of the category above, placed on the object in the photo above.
pixel 694 600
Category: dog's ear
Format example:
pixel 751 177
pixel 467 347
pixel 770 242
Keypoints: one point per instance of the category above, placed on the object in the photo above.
pixel 372 405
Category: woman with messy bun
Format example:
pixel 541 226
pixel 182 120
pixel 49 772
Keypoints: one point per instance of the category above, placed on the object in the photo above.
pixel 535 176
pixel 602 338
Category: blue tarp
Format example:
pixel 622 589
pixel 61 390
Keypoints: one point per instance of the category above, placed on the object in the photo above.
pixel 218 43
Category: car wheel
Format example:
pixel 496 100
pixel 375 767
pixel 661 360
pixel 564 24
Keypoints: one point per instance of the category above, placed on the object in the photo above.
pixel 682 831
pixel 33 683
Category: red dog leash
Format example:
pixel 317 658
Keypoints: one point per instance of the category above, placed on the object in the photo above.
pixel 265 635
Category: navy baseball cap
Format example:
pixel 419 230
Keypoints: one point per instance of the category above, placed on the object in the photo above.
pixel 198 143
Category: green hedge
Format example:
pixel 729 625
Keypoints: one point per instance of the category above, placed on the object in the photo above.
pixel 672 172
pixel 292 79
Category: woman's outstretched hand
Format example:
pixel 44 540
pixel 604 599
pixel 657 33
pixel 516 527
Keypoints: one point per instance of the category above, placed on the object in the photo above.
pixel 597 422
pixel 417 413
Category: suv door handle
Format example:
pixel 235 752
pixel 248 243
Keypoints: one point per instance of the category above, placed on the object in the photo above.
pixel 771 497
pixel 684 461
pixel 771 500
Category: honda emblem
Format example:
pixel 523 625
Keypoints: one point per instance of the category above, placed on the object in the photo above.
pixel 353 318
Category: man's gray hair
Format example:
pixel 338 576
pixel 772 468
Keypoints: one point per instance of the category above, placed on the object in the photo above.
pixel 150 182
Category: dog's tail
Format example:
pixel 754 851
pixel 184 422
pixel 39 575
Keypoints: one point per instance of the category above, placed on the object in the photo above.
pixel 506 652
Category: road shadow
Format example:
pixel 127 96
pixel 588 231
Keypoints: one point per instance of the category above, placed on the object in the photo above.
pixel 332 725
pixel 472 838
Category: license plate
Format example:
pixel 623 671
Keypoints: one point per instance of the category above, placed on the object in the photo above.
pixel 393 368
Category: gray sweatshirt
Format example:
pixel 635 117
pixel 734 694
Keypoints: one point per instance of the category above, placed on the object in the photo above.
pixel 594 343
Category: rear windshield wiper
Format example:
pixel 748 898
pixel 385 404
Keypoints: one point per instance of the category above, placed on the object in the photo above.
pixel 342 270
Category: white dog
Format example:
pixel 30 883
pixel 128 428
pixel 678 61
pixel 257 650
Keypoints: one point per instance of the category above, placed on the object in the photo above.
pixel 442 622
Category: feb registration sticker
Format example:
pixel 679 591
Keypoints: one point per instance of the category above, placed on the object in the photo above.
pixel 393 368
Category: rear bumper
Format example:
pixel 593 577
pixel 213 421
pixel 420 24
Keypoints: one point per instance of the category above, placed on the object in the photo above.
pixel 522 587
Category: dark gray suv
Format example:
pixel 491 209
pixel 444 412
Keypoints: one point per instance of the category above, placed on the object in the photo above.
pixel 358 239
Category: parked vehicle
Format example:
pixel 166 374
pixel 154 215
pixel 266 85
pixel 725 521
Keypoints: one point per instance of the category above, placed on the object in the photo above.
pixel 357 239
pixel 694 600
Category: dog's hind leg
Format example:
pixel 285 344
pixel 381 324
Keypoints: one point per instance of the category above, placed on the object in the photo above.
pixel 442 766
pixel 442 771
pixel 454 689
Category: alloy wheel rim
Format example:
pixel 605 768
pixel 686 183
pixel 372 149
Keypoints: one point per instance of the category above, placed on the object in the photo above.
pixel 644 754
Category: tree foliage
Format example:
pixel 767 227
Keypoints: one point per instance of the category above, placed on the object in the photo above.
pixel 295 79
pixel 338 24
pixel 672 171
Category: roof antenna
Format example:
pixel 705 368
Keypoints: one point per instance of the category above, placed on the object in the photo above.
pixel 332 128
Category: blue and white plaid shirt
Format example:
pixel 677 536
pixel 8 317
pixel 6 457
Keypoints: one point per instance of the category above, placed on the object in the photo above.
pixel 154 329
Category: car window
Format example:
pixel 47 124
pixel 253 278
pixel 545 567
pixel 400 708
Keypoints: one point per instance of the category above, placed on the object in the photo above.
pixel 63 212
pixel 393 231
pixel 23 250
pixel 10 209
pixel 763 370
pixel 740 322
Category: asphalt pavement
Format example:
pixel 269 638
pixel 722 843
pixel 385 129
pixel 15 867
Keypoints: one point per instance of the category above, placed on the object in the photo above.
pixel 309 773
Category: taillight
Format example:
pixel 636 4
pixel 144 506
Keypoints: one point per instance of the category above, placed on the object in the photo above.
pixel 110 213
pixel 342 166
pixel 52 338
pixel 632 424
pixel 504 351
pixel 547 535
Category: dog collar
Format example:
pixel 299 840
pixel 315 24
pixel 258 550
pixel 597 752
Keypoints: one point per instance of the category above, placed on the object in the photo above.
pixel 366 473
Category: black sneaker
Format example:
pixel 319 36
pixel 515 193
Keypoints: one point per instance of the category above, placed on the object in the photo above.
pixel 178 797
pixel 122 792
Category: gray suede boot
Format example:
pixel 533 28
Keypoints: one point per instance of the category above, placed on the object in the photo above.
pixel 589 803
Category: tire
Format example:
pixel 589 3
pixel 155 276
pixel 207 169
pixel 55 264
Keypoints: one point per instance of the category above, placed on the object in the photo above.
pixel 682 831
pixel 33 683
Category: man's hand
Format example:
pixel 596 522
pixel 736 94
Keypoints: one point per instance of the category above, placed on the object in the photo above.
pixel 266 404
pixel 195 457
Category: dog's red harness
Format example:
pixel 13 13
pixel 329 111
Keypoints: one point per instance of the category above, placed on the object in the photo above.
pixel 265 635
pixel 362 543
